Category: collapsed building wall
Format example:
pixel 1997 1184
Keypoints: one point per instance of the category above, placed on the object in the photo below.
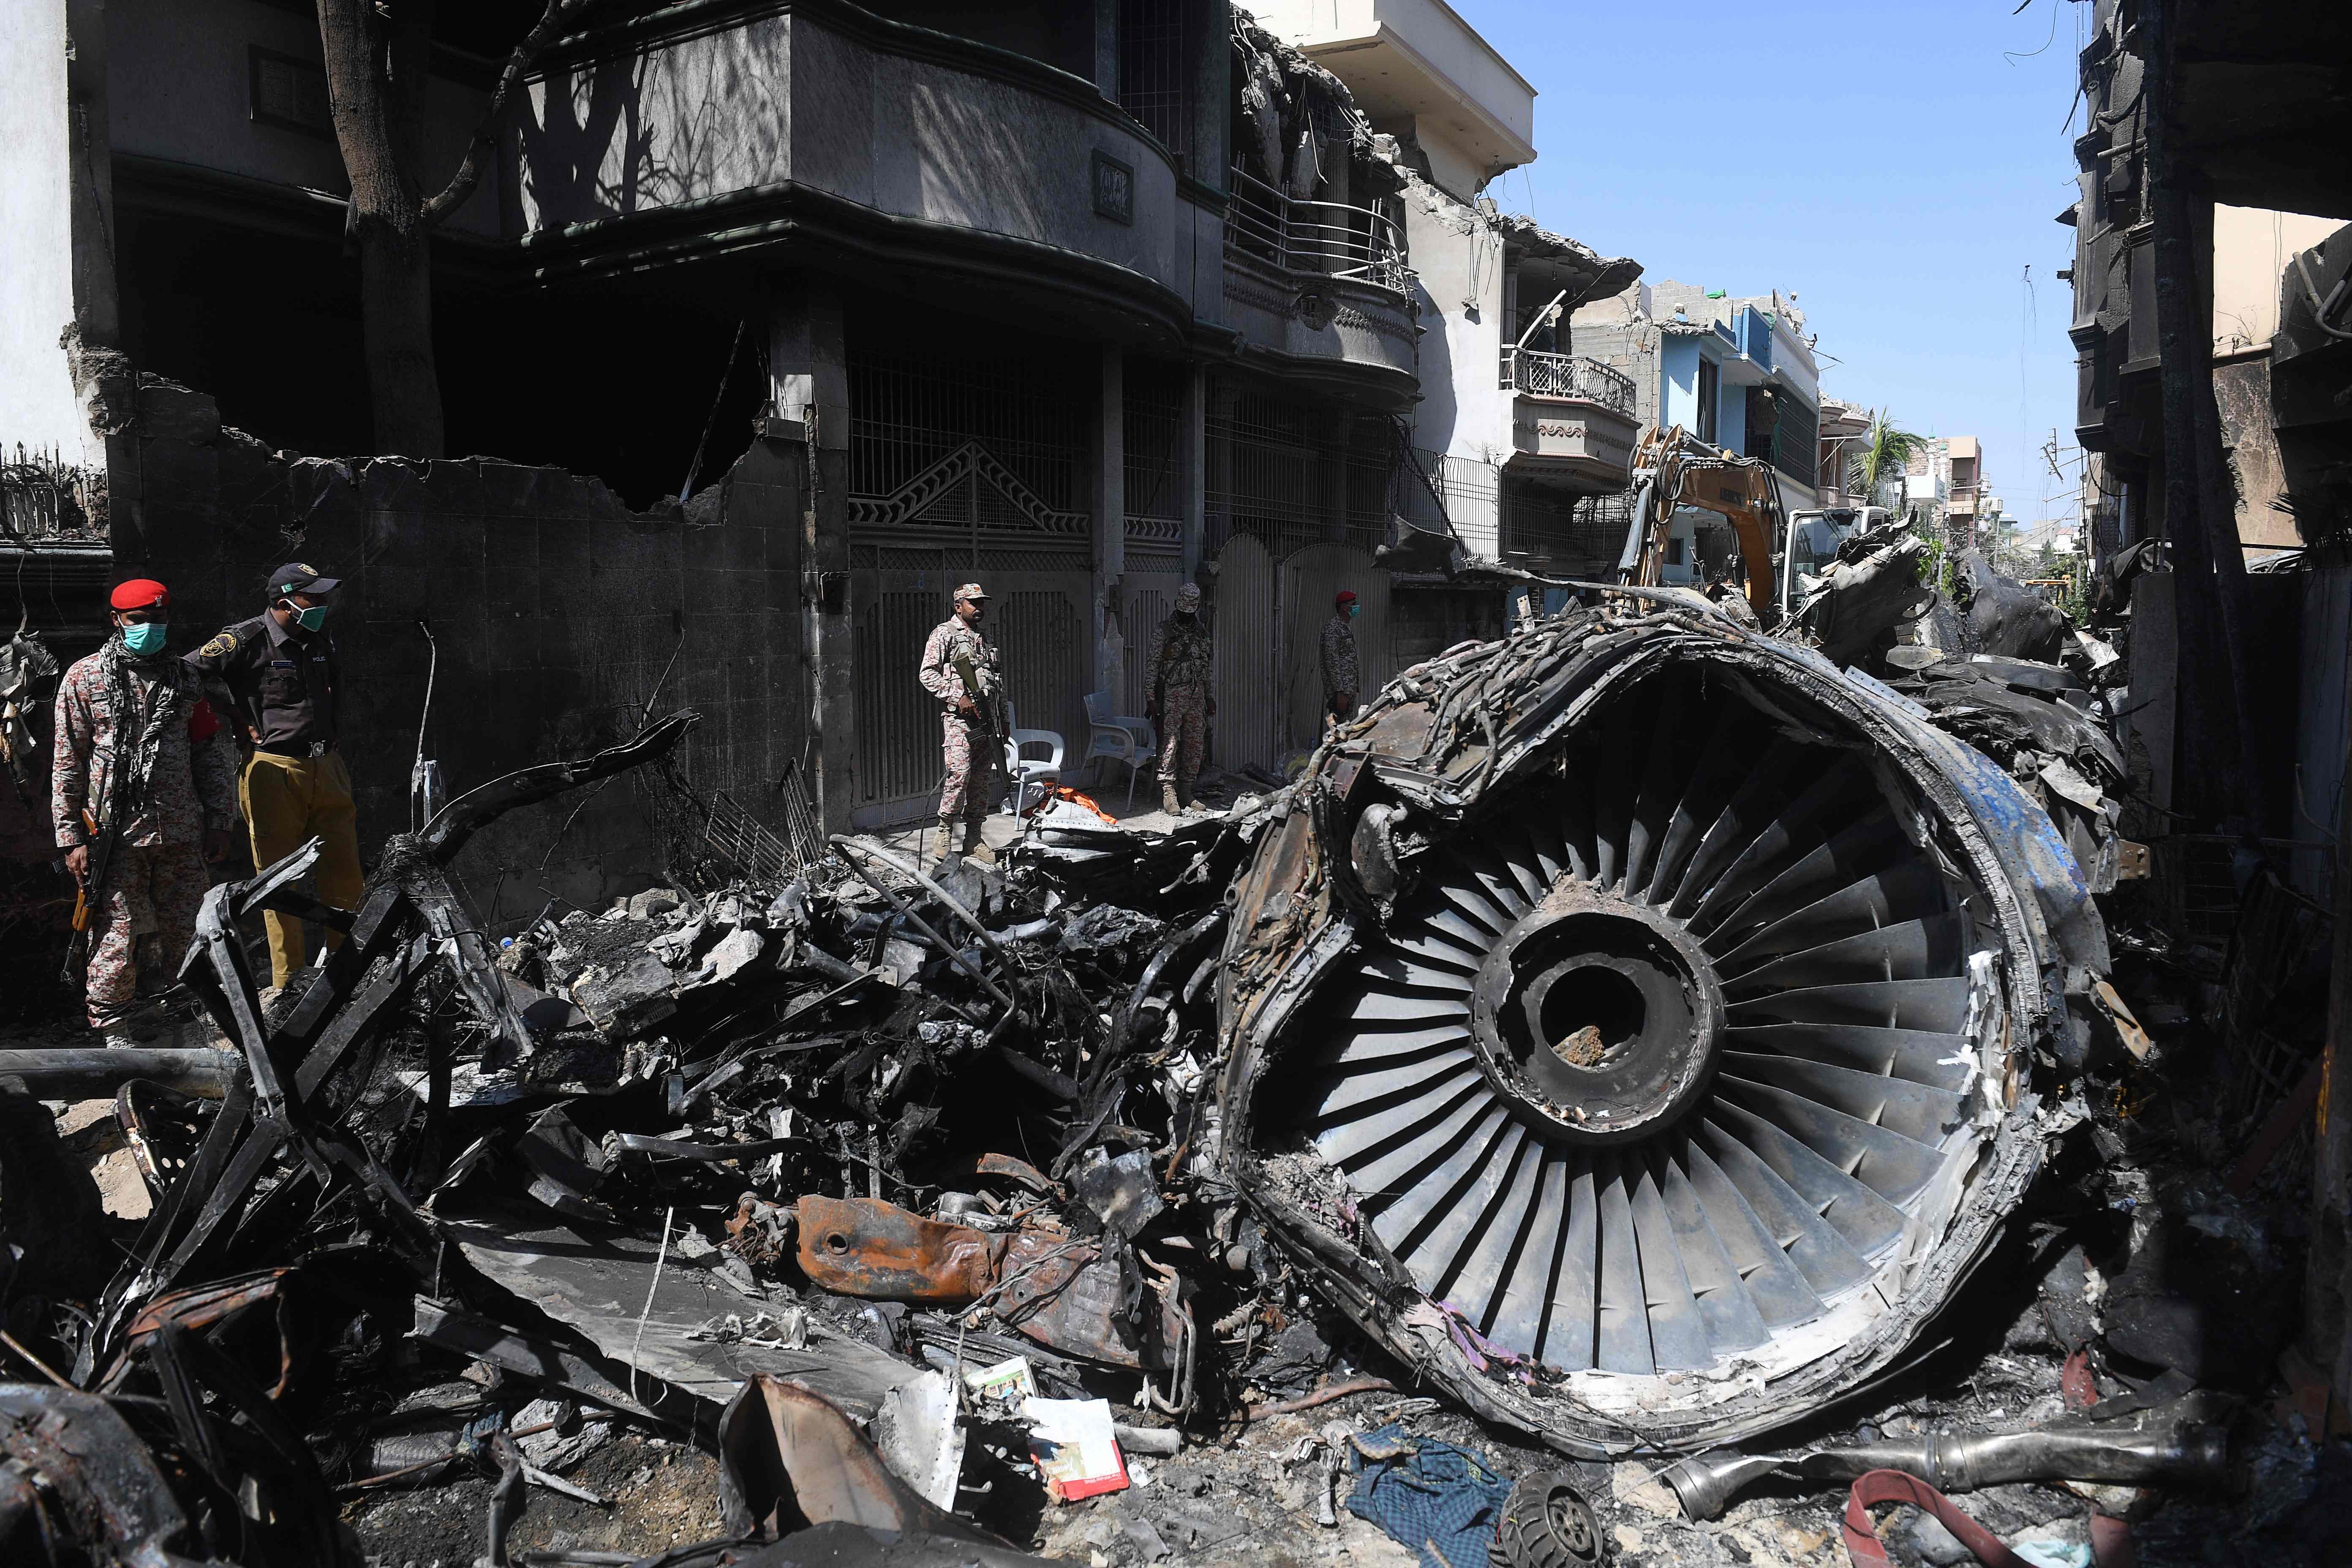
pixel 559 615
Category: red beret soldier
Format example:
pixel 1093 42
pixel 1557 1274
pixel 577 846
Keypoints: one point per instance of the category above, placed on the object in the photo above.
pixel 144 791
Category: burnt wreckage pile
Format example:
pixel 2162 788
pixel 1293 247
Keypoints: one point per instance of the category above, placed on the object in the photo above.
pixel 1638 1028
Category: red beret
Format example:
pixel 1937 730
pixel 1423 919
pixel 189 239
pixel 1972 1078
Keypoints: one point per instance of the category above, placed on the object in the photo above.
pixel 139 593
pixel 1346 596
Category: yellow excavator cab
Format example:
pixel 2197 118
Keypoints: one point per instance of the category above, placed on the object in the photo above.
pixel 1674 469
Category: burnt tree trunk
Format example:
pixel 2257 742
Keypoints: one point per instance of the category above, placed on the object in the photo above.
pixel 377 66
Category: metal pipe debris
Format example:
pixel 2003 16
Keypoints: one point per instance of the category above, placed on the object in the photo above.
pixel 2157 1447
pixel 78 1072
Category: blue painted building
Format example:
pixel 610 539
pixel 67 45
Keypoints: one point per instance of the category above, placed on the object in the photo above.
pixel 1738 372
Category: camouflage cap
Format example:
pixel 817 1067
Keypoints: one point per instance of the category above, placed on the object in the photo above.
pixel 1188 597
pixel 969 591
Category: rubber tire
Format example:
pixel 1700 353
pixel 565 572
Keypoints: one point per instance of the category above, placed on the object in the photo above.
pixel 1546 1523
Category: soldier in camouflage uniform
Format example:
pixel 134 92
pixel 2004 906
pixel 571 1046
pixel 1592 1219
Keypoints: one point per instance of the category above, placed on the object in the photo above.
pixel 972 730
pixel 1184 697
pixel 135 737
pixel 1341 680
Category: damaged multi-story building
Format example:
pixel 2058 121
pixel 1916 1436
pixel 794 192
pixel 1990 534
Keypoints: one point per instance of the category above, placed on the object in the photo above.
pixel 1530 445
pixel 1736 371
pixel 2262 258
pixel 1944 492
pixel 772 324
pixel 2251 461
pixel 1973 508
pixel 2212 244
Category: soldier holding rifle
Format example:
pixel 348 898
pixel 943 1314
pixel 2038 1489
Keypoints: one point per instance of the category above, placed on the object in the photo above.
pixel 143 787
pixel 959 667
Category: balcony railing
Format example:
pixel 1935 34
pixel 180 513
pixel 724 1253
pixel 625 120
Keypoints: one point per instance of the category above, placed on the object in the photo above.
pixel 1327 238
pixel 1566 375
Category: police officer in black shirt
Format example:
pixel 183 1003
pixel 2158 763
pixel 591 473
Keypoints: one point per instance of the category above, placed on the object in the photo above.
pixel 282 679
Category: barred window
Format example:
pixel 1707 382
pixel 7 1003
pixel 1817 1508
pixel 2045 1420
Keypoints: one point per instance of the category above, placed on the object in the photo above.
pixel 1796 439
pixel 912 403
pixel 1572 532
pixel 1294 470
pixel 1154 83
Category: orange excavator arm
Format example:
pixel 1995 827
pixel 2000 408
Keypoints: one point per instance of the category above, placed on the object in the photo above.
pixel 1673 469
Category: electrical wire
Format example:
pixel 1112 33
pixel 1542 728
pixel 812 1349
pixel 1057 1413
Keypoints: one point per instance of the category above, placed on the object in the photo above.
pixel 424 717
pixel 2029 320
pixel 2012 57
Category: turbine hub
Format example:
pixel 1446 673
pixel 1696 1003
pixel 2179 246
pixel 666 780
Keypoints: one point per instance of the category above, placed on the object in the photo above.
pixel 1601 1018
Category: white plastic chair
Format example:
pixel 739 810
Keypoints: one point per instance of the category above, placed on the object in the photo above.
pixel 1026 772
pixel 1119 740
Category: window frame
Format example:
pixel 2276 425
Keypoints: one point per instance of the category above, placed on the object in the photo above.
pixel 255 57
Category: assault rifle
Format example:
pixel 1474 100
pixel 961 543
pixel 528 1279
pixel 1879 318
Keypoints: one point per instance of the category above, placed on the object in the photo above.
pixel 103 835
pixel 984 706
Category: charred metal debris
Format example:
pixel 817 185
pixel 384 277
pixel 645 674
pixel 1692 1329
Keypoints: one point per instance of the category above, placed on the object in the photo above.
pixel 1639 1029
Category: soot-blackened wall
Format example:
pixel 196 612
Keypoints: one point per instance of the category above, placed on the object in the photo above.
pixel 562 616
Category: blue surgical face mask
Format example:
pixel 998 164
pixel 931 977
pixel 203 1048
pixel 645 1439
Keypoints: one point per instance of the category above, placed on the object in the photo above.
pixel 1352 609
pixel 310 619
pixel 146 637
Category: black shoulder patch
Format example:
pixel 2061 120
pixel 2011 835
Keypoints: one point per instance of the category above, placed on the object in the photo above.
pixel 220 647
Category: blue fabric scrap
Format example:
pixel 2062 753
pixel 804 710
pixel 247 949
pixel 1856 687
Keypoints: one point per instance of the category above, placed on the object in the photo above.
pixel 1439 1500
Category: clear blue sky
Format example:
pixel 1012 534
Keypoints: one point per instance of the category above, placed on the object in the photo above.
pixel 1884 160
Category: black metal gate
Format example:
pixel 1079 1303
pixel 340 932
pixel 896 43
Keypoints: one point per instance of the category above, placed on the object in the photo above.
pixel 964 469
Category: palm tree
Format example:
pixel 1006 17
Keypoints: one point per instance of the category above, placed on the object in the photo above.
pixel 1883 456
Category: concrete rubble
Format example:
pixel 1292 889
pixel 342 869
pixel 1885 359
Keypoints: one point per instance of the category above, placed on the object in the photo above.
pixel 1644 1092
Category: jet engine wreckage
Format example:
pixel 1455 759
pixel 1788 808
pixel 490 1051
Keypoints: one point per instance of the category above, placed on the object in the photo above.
pixel 1634 1025
pixel 1638 1026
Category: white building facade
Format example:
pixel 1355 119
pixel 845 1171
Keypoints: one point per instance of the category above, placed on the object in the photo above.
pixel 1521 439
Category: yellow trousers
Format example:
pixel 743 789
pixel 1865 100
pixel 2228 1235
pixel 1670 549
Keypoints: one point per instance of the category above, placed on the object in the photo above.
pixel 287 802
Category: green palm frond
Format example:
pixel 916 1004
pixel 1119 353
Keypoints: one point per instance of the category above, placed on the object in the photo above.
pixel 1883 456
